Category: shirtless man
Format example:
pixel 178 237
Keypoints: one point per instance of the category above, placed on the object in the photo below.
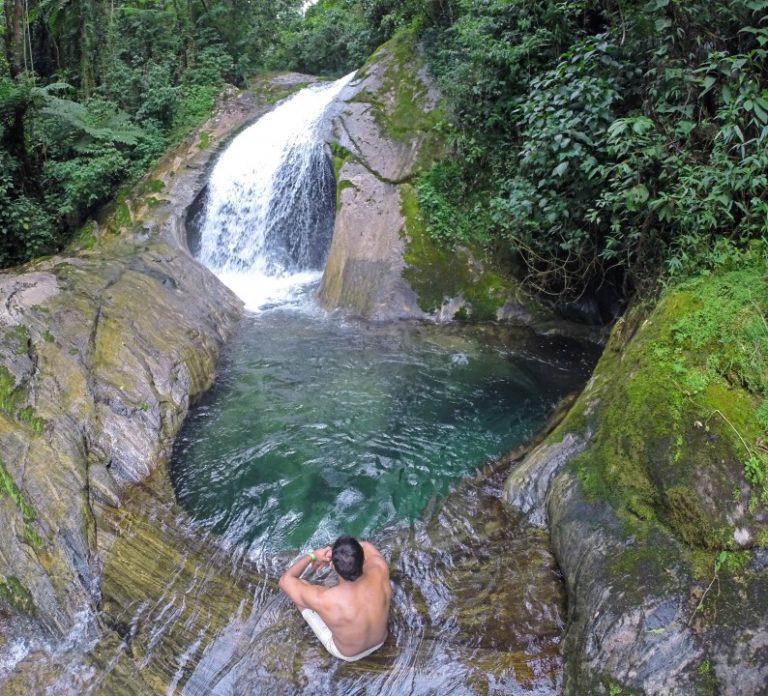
pixel 350 618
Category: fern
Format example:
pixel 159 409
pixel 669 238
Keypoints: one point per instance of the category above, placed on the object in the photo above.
pixel 106 127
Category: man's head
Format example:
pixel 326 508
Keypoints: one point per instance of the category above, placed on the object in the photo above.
pixel 347 557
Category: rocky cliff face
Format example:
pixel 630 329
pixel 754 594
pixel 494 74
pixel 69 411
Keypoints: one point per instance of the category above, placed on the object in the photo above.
pixel 382 265
pixel 375 154
pixel 103 348
pixel 657 507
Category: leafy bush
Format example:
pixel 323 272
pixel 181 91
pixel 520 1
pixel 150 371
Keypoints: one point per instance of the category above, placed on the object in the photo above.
pixel 625 141
pixel 139 75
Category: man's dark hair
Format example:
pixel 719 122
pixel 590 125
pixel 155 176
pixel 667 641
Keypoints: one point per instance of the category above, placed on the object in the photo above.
pixel 347 557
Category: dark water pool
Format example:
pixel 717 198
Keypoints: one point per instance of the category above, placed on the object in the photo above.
pixel 317 425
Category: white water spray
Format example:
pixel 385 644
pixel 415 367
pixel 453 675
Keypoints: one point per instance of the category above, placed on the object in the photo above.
pixel 269 216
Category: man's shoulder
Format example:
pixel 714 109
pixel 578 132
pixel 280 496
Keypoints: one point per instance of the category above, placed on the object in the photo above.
pixel 373 555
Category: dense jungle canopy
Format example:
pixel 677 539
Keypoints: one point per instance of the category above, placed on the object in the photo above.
pixel 590 140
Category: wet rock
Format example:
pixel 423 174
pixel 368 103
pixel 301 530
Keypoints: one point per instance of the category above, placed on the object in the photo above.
pixel 527 486
pixel 375 153
pixel 104 346
pixel 365 263
pixel 656 522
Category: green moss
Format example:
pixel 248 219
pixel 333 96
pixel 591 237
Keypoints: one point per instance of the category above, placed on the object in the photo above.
pixel 677 410
pixel 8 487
pixel 18 596
pixel 651 557
pixel 271 93
pixel 486 295
pixel 437 273
pixel 10 396
pixel 340 155
pixel 157 185
pixel 706 684
pixel 685 513
pixel 404 113
pixel 204 140
pixel 86 239
pixel 27 416
pixel 18 339
pixel 122 211
pixel 48 336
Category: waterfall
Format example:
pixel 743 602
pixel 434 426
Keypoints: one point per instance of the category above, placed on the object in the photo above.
pixel 271 201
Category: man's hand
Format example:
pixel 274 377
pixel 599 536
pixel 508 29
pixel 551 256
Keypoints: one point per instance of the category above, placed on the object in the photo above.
pixel 323 556
pixel 302 593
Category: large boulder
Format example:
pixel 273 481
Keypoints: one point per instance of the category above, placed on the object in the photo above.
pixel 382 264
pixel 655 488
pixel 383 134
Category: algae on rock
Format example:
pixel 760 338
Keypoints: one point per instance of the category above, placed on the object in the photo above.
pixel 665 498
pixel 381 265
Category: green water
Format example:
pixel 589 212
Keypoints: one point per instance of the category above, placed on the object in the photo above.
pixel 318 426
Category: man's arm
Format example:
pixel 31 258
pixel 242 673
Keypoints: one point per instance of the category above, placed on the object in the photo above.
pixel 303 594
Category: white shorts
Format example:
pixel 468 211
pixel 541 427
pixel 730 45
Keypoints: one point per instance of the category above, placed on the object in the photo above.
pixel 326 637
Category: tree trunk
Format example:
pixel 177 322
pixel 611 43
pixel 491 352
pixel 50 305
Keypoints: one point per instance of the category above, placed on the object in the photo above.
pixel 14 36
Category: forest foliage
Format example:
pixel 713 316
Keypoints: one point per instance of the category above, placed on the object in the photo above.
pixel 92 93
pixel 591 140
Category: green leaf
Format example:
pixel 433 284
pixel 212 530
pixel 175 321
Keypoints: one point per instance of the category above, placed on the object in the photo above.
pixel 684 128
pixel 560 169
pixel 636 196
pixel 641 124
pixel 617 128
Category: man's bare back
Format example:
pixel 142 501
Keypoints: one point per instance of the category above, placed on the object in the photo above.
pixel 354 613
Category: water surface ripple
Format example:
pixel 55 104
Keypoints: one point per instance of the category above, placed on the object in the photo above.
pixel 319 426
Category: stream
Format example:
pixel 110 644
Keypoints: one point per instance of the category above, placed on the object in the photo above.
pixel 320 424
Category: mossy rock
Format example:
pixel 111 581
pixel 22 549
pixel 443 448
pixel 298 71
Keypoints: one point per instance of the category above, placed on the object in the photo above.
pixel 456 278
pixel 405 103
pixel 14 593
pixel 675 411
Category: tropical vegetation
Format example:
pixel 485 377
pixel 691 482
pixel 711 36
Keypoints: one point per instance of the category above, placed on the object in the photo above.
pixel 593 142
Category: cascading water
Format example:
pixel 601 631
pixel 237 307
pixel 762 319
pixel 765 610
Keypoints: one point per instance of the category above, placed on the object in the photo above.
pixel 271 201
pixel 318 426
pixel 315 426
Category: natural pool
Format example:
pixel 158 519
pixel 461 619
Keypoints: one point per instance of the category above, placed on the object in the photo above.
pixel 319 425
